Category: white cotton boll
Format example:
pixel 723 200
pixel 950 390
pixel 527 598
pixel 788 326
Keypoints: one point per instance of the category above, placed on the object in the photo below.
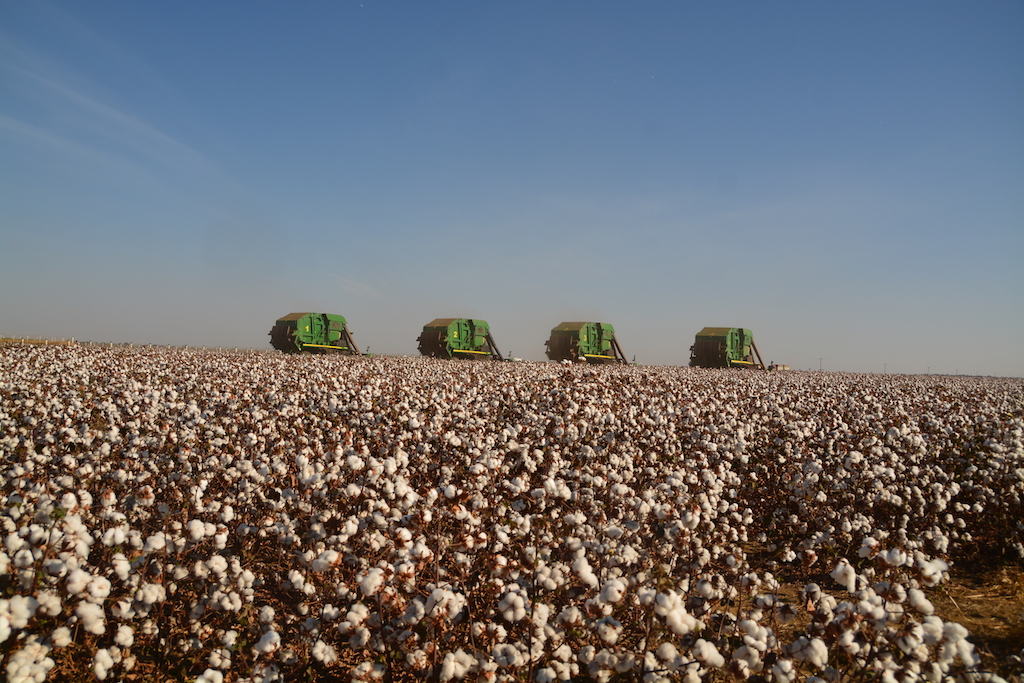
pixel 357 614
pixel 270 642
pixel 812 650
pixel 690 519
pixel 98 589
pixel 122 567
pixel 512 606
pixel 61 637
pixel 5 628
pixel 845 575
pixel 546 675
pixel 49 603
pixel 125 636
pixel 266 614
pixel 200 570
pixel 151 593
pixel 20 609
pixel 920 602
pixel 326 560
pixel 667 652
pixel 359 638
pixel 584 572
pixel 23 559
pixel 452 667
pixel 708 654
pixel 372 581
pixel 968 655
pixel 102 663
pixel 92 618
pixel 570 615
pixel 895 557
pixel 507 656
pixel 220 658
pixel 912 637
pixel 414 612
pixel 217 564
pixel 368 671
pixel 31 664
pixel 196 529
pixel 755 636
pixel 613 590
pixel 324 652
pixel 680 621
pixel 155 543
pixel 114 536
pixel 211 676
pixel 608 630
pixel 574 518
pixel 667 602
pixel 932 571
pixel 297 580
pixel 783 671
pixel 14 542
pixel 77 582
pixel 654 670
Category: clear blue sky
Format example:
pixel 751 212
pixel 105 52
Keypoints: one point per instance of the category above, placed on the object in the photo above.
pixel 845 179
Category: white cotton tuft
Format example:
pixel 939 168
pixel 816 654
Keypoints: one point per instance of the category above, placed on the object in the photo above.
pixel 920 602
pixel 270 641
pixel 708 654
pixel 211 676
pixel 102 663
pixel 613 590
pixel 372 581
pixel 92 618
pixel 584 572
pixel 812 650
pixel 845 575
pixel 323 652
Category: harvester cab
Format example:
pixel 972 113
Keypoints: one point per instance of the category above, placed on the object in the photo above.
pixel 589 342
pixel 458 338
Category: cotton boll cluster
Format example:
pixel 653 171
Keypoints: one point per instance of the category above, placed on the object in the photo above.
pixel 476 521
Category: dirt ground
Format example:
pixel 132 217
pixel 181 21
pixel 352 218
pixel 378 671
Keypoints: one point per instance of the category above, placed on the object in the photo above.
pixel 990 603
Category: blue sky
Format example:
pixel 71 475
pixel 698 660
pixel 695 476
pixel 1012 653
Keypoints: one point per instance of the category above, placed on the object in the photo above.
pixel 847 180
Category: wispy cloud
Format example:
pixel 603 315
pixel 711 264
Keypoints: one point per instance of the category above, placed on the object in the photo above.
pixel 49 103
pixel 357 287
pixel 83 125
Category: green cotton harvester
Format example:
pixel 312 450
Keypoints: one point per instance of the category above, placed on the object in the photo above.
pixel 312 333
pixel 589 342
pixel 725 347
pixel 458 338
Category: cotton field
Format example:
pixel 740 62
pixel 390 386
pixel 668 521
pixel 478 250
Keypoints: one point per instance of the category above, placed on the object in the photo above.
pixel 212 517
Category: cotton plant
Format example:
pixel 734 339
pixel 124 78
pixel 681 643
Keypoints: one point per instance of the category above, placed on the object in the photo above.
pixel 489 521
